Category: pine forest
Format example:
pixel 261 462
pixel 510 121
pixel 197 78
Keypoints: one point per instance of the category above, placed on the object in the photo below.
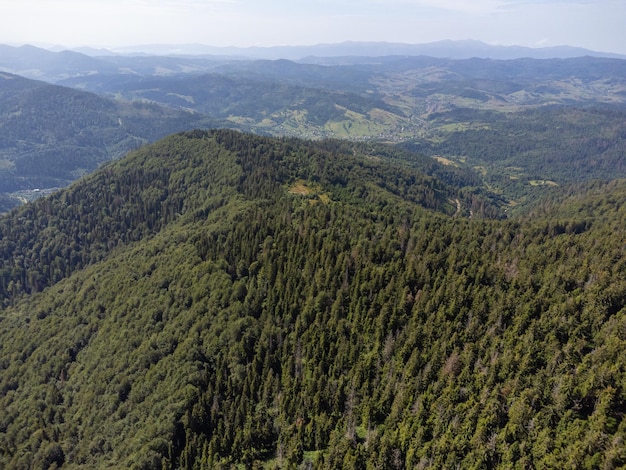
pixel 221 300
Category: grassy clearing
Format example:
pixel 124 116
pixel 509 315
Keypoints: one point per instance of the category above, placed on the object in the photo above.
pixel 542 183
pixel 6 164
pixel 188 99
pixel 303 188
pixel 445 161
pixel 312 191
pixel 481 170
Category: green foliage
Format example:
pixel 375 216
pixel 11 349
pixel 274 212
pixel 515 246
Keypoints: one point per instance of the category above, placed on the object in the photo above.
pixel 7 203
pixel 52 135
pixel 188 175
pixel 211 319
pixel 524 154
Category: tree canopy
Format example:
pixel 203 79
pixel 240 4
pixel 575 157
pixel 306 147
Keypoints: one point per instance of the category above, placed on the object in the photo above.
pixel 220 299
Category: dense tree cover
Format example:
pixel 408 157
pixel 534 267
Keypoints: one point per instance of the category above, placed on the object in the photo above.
pixel 51 135
pixel 135 198
pixel 7 203
pixel 217 317
pixel 519 151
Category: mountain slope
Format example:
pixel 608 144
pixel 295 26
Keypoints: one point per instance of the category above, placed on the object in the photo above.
pixel 41 64
pixel 273 104
pixel 137 197
pixel 50 135
pixel 244 300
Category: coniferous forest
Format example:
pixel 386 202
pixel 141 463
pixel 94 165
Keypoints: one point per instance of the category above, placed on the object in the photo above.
pixel 223 300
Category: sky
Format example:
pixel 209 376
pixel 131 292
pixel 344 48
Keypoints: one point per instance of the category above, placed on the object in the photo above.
pixel 599 25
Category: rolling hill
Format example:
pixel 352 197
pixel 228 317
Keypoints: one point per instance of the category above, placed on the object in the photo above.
pixel 219 299
pixel 383 98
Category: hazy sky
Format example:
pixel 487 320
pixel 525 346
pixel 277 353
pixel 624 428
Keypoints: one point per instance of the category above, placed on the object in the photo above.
pixel 598 25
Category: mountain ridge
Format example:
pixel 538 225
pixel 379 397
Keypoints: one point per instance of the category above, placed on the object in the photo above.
pixel 258 301
pixel 459 49
pixel 161 203
pixel 435 104
pixel 57 64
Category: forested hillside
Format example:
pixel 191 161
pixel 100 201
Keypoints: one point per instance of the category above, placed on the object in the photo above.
pixel 51 135
pixel 521 154
pixel 524 125
pixel 219 299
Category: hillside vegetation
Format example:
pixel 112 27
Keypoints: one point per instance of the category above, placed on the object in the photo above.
pixel 52 135
pixel 522 154
pixel 523 126
pixel 219 299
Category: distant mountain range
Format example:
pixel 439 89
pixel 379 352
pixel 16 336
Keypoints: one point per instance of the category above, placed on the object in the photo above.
pixel 41 64
pixel 447 49
pixel 56 65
